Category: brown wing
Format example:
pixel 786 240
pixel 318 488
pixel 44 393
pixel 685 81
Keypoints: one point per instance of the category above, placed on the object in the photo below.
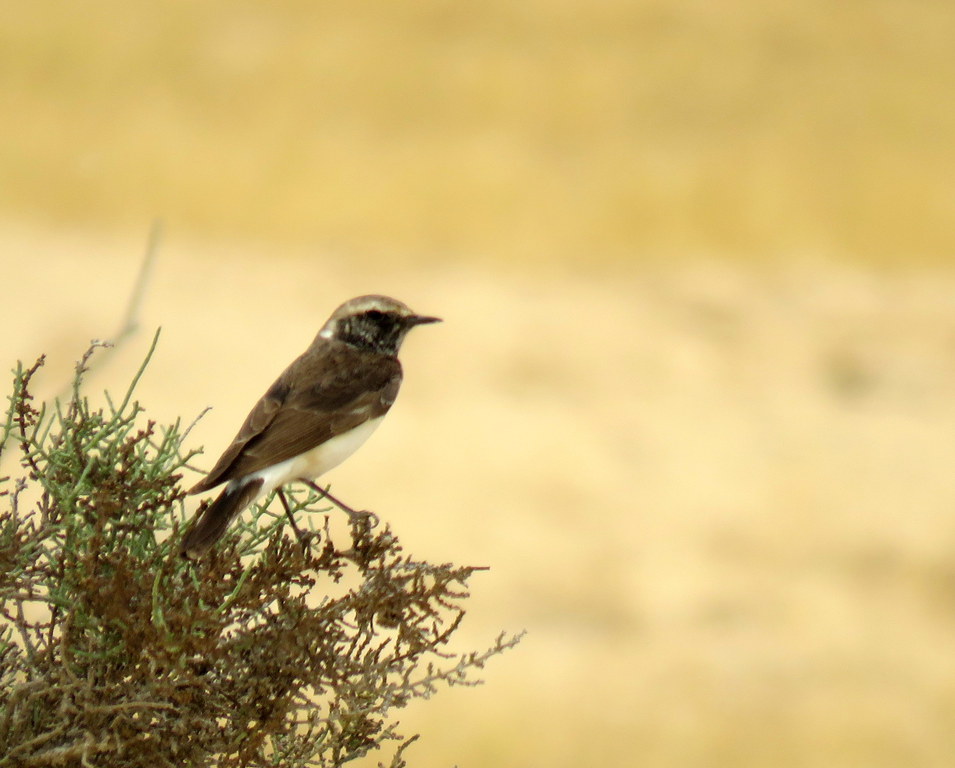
pixel 328 390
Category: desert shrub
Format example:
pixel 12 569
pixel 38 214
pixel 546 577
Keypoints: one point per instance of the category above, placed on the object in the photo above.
pixel 114 651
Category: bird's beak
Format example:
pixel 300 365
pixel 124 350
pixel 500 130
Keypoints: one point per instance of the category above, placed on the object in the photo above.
pixel 422 320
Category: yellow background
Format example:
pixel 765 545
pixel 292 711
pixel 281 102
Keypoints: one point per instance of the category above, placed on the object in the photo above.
pixel 693 399
pixel 606 131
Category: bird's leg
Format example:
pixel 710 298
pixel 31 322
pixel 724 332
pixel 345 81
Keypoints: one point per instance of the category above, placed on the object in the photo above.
pixel 302 538
pixel 354 515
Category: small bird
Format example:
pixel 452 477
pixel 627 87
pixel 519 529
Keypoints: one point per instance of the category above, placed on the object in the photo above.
pixel 316 414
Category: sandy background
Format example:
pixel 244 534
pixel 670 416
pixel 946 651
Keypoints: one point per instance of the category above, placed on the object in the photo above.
pixel 693 399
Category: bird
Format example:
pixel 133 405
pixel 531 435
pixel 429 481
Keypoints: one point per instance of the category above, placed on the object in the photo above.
pixel 318 412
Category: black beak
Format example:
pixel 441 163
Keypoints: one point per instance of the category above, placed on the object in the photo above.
pixel 422 320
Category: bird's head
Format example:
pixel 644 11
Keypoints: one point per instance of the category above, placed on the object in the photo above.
pixel 376 323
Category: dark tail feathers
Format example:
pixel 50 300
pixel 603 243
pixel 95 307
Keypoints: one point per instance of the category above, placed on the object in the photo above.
pixel 216 518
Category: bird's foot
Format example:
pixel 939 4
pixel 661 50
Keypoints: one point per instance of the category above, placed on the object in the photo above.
pixel 304 537
pixel 362 518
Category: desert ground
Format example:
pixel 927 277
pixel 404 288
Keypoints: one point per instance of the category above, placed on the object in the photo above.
pixel 718 498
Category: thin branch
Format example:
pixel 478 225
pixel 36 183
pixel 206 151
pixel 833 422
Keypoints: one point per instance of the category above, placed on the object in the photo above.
pixel 131 317
pixel 130 323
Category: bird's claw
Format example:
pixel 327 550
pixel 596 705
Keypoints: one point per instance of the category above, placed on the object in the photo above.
pixel 362 518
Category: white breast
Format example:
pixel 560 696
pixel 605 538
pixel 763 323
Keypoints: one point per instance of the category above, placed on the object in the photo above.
pixel 317 461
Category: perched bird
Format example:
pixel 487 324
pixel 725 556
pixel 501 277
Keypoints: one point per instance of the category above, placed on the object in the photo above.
pixel 315 415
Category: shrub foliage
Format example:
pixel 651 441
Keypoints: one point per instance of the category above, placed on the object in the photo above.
pixel 114 651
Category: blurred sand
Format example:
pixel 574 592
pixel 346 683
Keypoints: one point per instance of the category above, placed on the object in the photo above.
pixel 719 498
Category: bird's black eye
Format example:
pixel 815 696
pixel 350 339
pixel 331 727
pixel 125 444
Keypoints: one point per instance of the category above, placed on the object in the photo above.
pixel 375 315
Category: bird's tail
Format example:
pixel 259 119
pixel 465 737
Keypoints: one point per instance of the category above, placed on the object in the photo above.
pixel 216 518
